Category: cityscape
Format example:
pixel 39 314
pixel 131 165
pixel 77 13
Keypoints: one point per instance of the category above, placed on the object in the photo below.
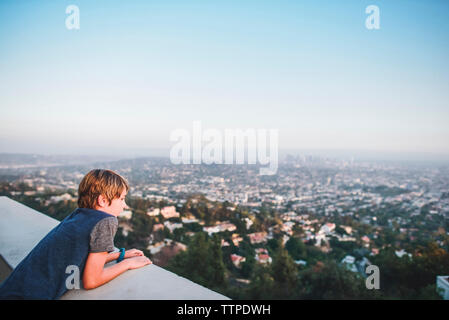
pixel 318 208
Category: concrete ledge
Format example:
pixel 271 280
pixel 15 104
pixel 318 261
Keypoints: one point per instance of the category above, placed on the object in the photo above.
pixel 149 282
pixel 21 228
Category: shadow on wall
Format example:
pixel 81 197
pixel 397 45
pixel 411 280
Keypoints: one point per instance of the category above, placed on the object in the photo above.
pixel 5 269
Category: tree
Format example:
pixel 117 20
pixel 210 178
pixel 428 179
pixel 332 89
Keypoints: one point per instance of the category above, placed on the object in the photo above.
pixel 262 284
pixel 296 248
pixel 331 281
pixel 411 278
pixel 285 274
pixel 202 262
pixel 273 245
pixel 217 265
pixel 248 266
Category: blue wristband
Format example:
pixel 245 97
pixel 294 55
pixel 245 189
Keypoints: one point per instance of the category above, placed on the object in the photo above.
pixel 122 255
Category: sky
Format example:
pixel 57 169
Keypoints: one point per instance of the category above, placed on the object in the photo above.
pixel 135 71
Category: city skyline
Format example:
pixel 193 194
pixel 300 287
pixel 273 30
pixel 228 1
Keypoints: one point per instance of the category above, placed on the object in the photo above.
pixel 134 72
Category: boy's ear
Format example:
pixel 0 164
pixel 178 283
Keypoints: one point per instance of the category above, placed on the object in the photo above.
pixel 102 201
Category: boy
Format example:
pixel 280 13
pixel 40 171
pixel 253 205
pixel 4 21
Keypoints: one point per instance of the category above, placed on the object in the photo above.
pixel 83 241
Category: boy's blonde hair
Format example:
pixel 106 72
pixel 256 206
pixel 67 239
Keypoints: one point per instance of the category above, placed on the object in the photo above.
pixel 97 182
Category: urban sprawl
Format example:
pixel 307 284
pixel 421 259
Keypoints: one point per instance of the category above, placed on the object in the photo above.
pixel 311 198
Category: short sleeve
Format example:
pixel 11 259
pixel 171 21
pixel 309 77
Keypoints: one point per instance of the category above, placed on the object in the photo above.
pixel 102 235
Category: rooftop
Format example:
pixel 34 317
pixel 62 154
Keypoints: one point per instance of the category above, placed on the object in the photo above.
pixel 21 228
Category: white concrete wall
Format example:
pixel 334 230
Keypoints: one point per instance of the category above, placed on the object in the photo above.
pixel 443 284
pixel 21 228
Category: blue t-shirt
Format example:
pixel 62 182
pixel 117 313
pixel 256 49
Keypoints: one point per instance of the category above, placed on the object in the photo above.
pixel 44 271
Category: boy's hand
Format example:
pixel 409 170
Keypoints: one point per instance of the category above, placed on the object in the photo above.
pixel 138 262
pixel 133 253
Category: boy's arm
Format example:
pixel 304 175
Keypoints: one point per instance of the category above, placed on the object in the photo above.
pixel 95 274
pixel 112 256
pixel 128 254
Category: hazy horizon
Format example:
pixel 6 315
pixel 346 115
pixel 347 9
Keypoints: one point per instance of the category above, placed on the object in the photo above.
pixel 355 155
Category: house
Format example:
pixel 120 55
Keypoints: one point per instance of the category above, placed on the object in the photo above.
pixel 153 212
pixel 189 219
pixel 285 238
pixel 155 248
pixel 319 237
pixel 402 253
pixel 327 228
pixel 126 214
pixel 301 262
pixel 167 252
pixel 224 243
pixel 348 229
pixel 287 227
pixel 291 215
pixel 261 250
pixel 443 286
pixel 345 238
pixel 243 281
pixel 169 212
pixel 349 263
pixel 237 260
pixel 172 226
pixel 126 228
pixel 157 227
pixel 226 226
pixel 211 230
pixel 365 241
pixel 362 265
pixel 248 222
pixel 63 197
pixel 262 256
pixel 236 239
pixel 257 237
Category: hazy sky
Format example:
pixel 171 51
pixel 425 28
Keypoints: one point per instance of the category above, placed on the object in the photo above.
pixel 137 70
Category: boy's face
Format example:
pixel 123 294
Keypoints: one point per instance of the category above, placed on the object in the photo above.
pixel 116 207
